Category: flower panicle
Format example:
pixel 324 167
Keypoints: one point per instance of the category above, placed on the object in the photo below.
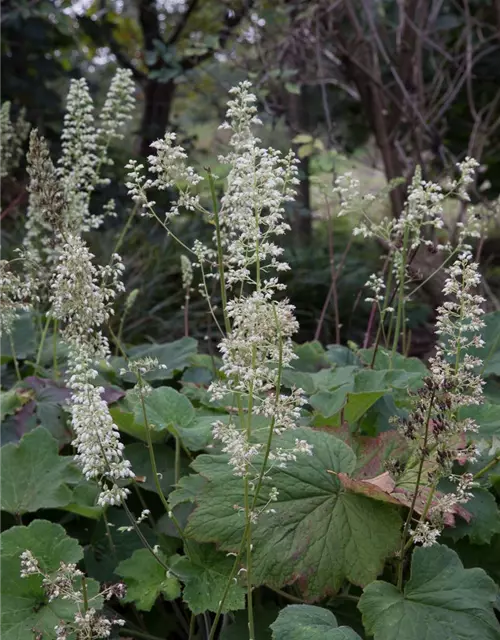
pixel 259 344
pixel 13 135
pixel 82 296
pixel 434 427
pixel 85 145
pixel 67 583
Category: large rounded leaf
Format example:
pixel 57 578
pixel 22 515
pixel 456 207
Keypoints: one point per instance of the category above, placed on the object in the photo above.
pixel 319 534
pixel 441 601
pixel 25 608
pixel 34 476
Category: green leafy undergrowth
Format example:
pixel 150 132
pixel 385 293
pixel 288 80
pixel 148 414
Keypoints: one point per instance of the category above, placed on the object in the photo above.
pixel 335 526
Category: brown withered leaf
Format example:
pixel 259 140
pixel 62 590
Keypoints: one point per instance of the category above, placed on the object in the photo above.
pixel 383 488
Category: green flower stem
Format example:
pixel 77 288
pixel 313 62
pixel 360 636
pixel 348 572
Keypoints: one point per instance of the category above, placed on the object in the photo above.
pixel 192 624
pixel 154 468
pixel 126 227
pixel 220 257
pixel 85 595
pixel 288 596
pixel 54 348
pixel 424 512
pixel 144 506
pixel 169 232
pixel 42 341
pixel 177 464
pixel 136 527
pixel 387 302
pixel 207 298
pixel 273 419
pixel 248 516
pixel 109 535
pixel 443 264
pixel 14 358
pixel 415 494
pixel 248 510
pixel 142 538
pixel 232 575
pixel 118 344
pixel 258 486
pixel 487 467
pixel 400 320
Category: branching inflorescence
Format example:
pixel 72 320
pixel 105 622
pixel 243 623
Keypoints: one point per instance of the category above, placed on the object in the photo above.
pixel 245 259
pixel 69 583
pixel 59 267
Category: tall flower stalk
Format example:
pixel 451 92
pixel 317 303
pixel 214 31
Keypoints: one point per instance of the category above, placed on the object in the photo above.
pixel 74 293
pixel 258 327
pixel 436 433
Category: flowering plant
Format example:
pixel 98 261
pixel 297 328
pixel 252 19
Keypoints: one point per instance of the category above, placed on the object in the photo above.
pixel 164 485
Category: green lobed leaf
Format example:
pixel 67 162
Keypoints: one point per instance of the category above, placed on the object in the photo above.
pixel 165 407
pixel 187 489
pixel 175 355
pixel 319 535
pixel 485 519
pixel 441 601
pixel 486 556
pixel 34 476
pixel 384 358
pixel 311 356
pixel 487 417
pixel 146 579
pixel 205 575
pixel 169 411
pixel 197 435
pixel 25 607
pixel 22 337
pixel 359 390
pixel 126 422
pixel 341 356
pixel 84 500
pixel 306 622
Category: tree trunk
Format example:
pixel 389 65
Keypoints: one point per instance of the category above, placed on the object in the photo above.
pixel 158 100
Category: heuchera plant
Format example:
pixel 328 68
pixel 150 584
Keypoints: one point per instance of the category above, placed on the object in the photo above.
pixel 273 490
